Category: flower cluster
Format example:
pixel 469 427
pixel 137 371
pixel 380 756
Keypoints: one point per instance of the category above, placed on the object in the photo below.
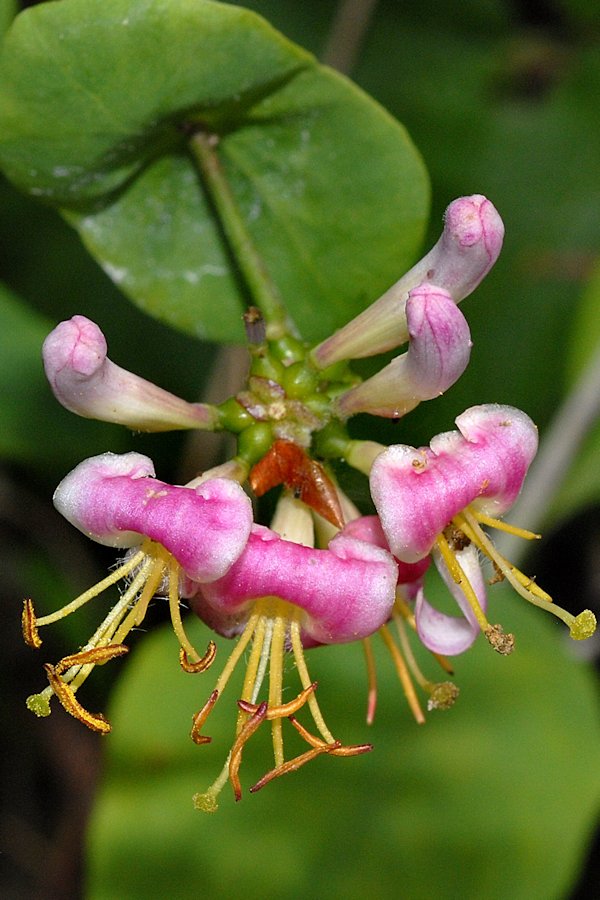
pixel 321 573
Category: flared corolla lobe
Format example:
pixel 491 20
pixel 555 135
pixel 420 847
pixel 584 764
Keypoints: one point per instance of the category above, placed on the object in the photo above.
pixel 345 592
pixel 467 249
pixel 86 382
pixel 418 491
pixel 451 635
pixel 116 501
pixel 438 354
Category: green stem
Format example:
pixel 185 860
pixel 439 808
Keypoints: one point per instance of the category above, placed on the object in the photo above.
pixel 264 293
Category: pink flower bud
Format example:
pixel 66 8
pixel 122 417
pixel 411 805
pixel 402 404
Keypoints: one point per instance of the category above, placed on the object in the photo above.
pixel 464 254
pixel 418 491
pixel 86 382
pixel 438 354
pixel 346 592
pixel 116 501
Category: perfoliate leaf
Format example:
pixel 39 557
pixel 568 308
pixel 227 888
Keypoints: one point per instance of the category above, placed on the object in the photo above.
pixel 96 107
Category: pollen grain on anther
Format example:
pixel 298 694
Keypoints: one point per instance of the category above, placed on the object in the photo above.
pixel 29 625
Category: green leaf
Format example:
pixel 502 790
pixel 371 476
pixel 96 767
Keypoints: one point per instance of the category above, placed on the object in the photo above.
pixel 8 10
pixel 93 108
pixel 496 796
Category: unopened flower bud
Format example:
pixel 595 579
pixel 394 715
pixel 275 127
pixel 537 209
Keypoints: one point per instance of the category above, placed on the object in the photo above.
pixel 464 254
pixel 86 382
pixel 438 354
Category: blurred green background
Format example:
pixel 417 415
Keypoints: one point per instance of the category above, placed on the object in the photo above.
pixel 496 798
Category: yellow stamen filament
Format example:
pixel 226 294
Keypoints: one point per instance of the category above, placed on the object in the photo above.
pixel 92 592
pixel 442 695
pixel 184 642
pixel 201 716
pixel 276 684
pixel 408 653
pixel 259 659
pixel 237 653
pixel 580 627
pixel 94 721
pixel 469 525
pixel 501 525
pixel 457 573
pixel 408 616
pixel 371 680
pixel 305 680
pixel 137 614
pixel 403 675
pixel 105 632
pixel 29 626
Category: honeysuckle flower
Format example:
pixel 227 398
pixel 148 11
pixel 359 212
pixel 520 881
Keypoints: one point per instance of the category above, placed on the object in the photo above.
pixel 438 354
pixel 439 496
pixel 87 382
pixel 284 593
pixel 344 593
pixel 464 254
pixel 176 537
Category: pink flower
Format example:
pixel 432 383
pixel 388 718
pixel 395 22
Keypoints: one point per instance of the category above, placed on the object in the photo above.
pixel 86 382
pixel 438 354
pixel 343 593
pixel 174 535
pixel 434 499
pixel 417 492
pixel 283 595
pixel 467 249
pixel 116 500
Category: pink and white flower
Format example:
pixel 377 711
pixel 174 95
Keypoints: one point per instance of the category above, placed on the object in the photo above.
pixel 343 593
pixel 117 501
pixel 417 492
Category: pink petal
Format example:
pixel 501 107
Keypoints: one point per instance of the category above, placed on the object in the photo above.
pixel 346 591
pixel 115 500
pixel 417 491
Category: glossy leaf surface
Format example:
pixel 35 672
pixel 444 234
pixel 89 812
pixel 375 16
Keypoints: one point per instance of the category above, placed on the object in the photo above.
pixel 95 112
